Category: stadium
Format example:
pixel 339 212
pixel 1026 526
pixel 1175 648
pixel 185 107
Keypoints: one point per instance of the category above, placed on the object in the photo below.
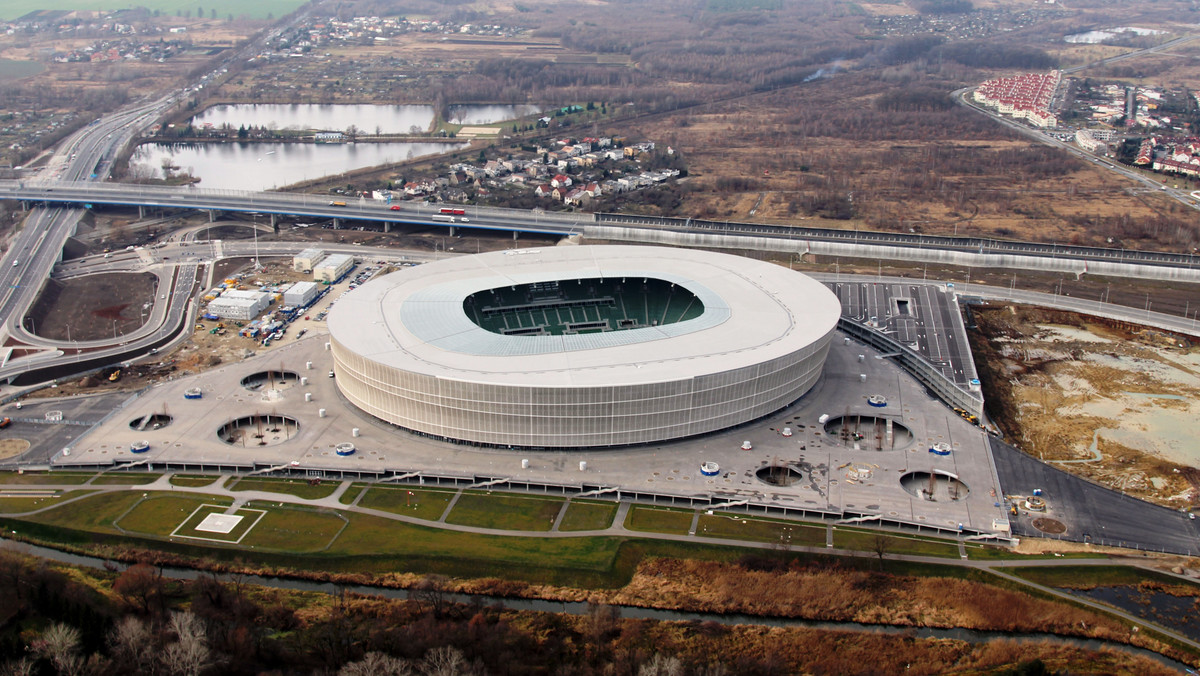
pixel 581 347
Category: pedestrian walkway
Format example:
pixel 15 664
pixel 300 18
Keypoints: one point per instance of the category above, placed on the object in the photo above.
pixel 562 511
pixel 450 506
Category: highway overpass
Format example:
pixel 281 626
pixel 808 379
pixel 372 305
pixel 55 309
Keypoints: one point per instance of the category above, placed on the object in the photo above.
pixel 601 225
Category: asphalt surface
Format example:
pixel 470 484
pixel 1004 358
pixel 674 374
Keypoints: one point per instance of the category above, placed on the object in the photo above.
pixel 1091 513
pixel 920 315
pixel 47 438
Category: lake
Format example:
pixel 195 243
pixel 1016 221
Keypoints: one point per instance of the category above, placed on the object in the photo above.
pixel 386 119
pixel 263 166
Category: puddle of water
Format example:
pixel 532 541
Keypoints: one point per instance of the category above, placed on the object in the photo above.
pixel 1176 612
pixel 1068 333
pixel 1155 395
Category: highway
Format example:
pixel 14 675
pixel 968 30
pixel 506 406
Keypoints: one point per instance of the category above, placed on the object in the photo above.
pixel 85 158
pixel 560 224
pixel 302 205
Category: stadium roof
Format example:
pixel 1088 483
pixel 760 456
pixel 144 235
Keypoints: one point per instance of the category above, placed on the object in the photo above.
pixel 753 311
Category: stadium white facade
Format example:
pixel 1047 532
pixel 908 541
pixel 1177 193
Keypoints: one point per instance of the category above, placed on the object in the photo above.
pixel 584 347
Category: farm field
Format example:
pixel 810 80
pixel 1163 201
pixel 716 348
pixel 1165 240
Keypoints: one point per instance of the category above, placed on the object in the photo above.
pixel 14 9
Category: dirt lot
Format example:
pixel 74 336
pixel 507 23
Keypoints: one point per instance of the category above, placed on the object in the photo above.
pixel 98 306
pixel 1110 402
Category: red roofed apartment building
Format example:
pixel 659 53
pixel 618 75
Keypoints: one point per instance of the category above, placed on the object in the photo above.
pixel 1025 96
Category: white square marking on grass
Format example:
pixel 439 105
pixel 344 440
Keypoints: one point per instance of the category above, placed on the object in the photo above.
pixel 219 523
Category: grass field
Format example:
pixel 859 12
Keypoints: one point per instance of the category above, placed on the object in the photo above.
pixel 18 505
pixel 51 478
pixel 15 70
pixel 505 512
pixel 125 479
pixel 588 515
pixel 292 529
pixel 382 537
pixel 351 493
pixel 760 530
pixel 162 513
pixel 94 513
pixel 192 480
pixel 993 553
pixel 305 538
pixel 297 487
pixel 659 519
pixel 864 541
pixel 14 9
pixel 424 503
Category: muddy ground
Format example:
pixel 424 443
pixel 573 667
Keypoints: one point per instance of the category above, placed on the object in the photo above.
pixel 93 307
pixel 1101 399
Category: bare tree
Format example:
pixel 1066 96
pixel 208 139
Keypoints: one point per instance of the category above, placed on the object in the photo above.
pixel 377 664
pixel 60 645
pixel 880 546
pixel 431 591
pixel 602 618
pixel 189 655
pixel 21 667
pixel 662 665
pixel 132 644
pixel 445 661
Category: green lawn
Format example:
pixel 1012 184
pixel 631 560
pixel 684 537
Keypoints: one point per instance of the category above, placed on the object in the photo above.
pixel 659 519
pixel 125 479
pixel 295 530
pixel 351 493
pixel 297 487
pixel 375 535
pixel 725 525
pixel 997 553
pixel 13 9
pixel 588 515
pixel 505 511
pixel 424 503
pixel 162 513
pixel 51 478
pixel 864 541
pixel 94 513
pixel 193 480
pixel 296 537
pixel 18 505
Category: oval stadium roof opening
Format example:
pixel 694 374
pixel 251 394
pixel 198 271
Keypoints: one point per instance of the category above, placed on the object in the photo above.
pixel 594 305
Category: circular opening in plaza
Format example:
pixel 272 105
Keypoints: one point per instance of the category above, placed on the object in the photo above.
pixel 778 475
pixel 270 380
pixel 581 347
pixel 260 429
pixel 151 421
pixel 869 433
pixel 934 486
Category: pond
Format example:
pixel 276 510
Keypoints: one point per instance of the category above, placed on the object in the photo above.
pixel 264 166
pixel 476 114
pixel 368 118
